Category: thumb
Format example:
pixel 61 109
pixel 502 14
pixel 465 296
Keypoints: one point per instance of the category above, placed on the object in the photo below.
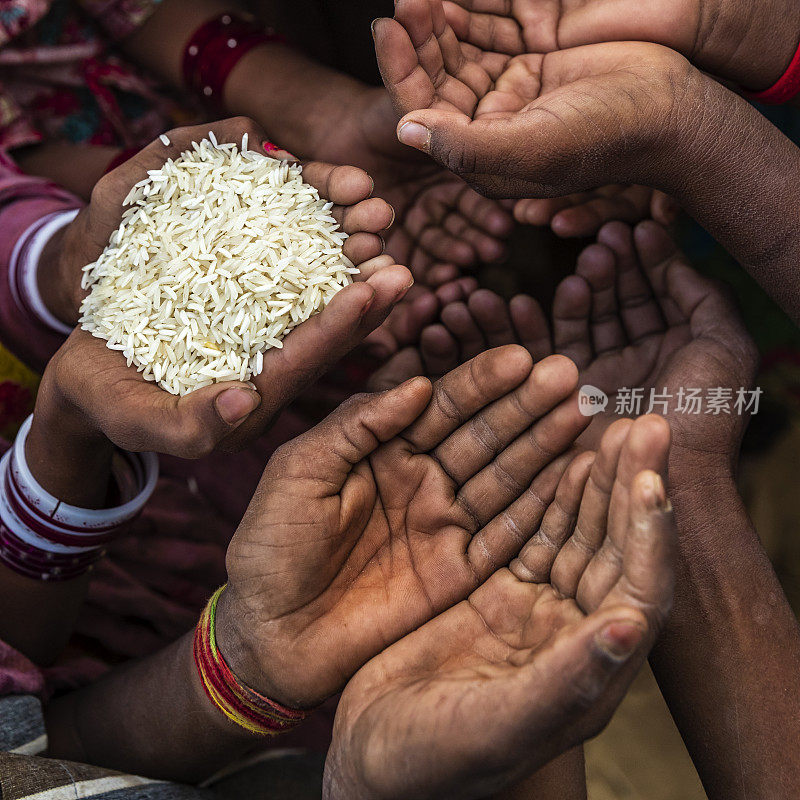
pixel 588 668
pixel 525 155
pixel 329 451
pixel 203 418
pixel 144 417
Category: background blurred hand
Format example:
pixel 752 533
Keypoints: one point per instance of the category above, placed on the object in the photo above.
pixel 468 325
pixel 584 213
pixel 441 225
pixel 389 512
pixel 634 316
pixel 637 315
pixel 537 658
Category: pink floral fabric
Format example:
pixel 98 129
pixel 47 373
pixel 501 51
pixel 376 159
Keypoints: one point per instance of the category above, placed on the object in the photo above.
pixel 58 79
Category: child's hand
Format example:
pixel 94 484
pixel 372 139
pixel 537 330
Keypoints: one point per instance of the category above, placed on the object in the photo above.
pixel 409 318
pixel 734 39
pixel 583 214
pixel 137 415
pixel 395 508
pixel 537 658
pixel 442 226
pixel 531 125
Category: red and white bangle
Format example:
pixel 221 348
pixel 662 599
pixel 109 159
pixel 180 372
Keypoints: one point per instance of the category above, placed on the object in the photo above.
pixel 786 88
pixel 45 539
pixel 24 267
pixel 216 47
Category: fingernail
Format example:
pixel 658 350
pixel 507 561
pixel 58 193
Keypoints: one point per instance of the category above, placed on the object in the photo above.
pixel 415 135
pixel 620 639
pixel 383 244
pixel 656 495
pixel 403 292
pixel 233 405
pixel 366 307
pixel 394 217
pixel 269 147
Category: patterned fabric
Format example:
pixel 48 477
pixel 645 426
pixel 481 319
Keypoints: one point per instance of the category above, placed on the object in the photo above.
pixel 58 80
pixel 24 773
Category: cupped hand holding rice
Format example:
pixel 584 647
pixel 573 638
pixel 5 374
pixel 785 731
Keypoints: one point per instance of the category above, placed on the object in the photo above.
pixel 217 253
pixel 220 254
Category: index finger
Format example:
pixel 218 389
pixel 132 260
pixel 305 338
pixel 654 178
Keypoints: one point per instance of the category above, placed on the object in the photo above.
pixel 460 394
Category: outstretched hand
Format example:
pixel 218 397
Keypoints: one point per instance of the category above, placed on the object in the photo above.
pixel 530 125
pixel 637 316
pixel 636 319
pixel 395 508
pixel 723 37
pixel 537 658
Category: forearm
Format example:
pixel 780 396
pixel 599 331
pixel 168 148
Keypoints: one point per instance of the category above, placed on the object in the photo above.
pixel 151 718
pixel 728 661
pixel 294 98
pixel 288 93
pixel 160 42
pixel 738 176
pixel 76 167
pixel 75 468
pixel 67 456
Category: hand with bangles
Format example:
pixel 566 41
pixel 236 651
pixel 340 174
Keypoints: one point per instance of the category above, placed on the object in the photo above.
pixel 535 125
pixel 393 510
pixel 225 415
pixel 536 659
pixel 396 507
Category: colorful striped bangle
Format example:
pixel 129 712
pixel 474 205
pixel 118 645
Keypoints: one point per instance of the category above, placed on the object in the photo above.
pixel 242 705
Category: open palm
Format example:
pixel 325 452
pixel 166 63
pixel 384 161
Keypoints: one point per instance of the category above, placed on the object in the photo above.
pixel 721 37
pixel 537 658
pixel 637 316
pixel 529 125
pixel 391 511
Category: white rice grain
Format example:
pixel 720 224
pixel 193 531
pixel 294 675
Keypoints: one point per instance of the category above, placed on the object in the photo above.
pixel 220 254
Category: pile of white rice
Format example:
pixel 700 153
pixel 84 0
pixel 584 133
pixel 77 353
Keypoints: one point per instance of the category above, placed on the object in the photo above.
pixel 220 253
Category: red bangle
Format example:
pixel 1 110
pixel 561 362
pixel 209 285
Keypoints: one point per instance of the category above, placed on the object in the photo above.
pixel 785 89
pixel 242 705
pixel 216 47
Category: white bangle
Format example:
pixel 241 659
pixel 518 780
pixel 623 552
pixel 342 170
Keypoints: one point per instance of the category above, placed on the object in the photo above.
pixel 24 267
pixel 46 539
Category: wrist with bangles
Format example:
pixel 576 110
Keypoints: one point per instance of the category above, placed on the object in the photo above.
pixel 45 539
pixel 241 704
pixel 209 57
pixel 216 47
